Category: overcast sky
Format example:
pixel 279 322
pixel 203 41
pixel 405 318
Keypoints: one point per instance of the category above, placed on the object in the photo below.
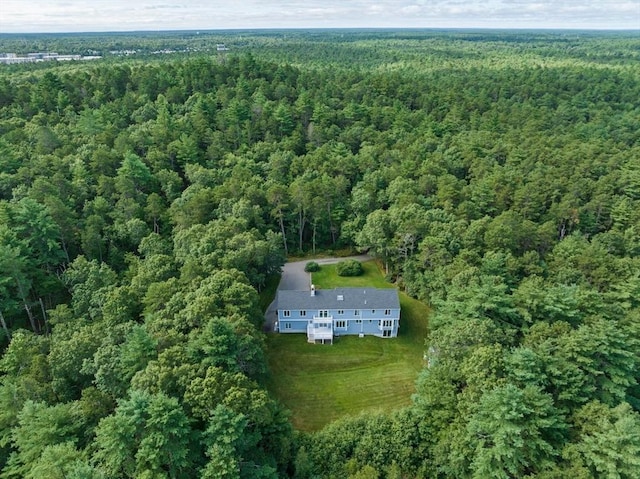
pixel 122 15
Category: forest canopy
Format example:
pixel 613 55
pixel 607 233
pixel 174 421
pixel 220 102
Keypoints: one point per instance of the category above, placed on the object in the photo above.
pixel 146 201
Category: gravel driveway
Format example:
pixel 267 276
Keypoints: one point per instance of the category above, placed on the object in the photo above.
pixel 295 278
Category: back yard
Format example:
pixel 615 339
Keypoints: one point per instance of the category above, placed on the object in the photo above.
pixel 322 383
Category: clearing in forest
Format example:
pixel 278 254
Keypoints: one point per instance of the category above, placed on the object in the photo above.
pixel 321 383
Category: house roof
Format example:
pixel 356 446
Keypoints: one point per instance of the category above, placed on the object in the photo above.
pixel 339 298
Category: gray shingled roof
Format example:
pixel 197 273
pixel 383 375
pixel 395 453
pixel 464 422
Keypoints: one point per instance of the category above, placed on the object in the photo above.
pixel 353 298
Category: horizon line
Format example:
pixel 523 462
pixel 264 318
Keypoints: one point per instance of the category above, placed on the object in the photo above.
pixel 263 29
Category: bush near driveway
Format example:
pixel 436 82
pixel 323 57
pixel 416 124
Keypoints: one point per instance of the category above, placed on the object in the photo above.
pixel 350 267
pixel 312 267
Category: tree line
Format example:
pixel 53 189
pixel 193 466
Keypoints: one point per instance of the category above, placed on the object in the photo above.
pixel 145 204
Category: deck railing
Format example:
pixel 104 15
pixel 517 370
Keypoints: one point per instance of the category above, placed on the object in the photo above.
pixel 319 334
pixel 382 326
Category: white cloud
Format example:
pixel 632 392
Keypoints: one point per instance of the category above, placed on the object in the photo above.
pixel 376 9
pixel 106 15
pixel 411 9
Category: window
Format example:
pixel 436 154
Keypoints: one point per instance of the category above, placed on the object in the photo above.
pixel 373 311
pixel 341 324
pixel 341 311
pixel 387 312
pixel 386 323
pixel 323 313
pixel 287 325
pixel 356 313
pixel 386 333
pixel 358 321
pixel 303 313
pixel 286 313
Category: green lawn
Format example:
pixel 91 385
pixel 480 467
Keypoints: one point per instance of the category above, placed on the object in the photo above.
pixel 327 277
pixel 320 383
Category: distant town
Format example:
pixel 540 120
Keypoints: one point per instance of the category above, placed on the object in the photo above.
pixel 12 58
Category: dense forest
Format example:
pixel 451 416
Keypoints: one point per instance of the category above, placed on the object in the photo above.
pixel 145 203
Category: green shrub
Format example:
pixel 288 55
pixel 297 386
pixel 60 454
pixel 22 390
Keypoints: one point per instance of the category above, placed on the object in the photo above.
pixel 350 267
pixel 312 267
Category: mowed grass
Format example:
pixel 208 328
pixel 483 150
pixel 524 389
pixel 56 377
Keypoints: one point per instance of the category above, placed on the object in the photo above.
pixel 321 383
pixel 327 277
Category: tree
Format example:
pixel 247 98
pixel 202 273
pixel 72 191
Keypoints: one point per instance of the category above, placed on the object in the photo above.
pixel 410 224
pixel 147 436
pixel 514 432
pixel 230 447
pixel 302 197
pixel 21 274
pixel 278 196
pixel 14 283
pixel 228 244
pixel 74 342
pixel 235 391
pixel 62 461
pixel 124 351
pixel 538 301
pixel 26 366
pixel 40 426
pixel 511 232
pixel 34 225
pixel 225 293
pixel 236 346
pixel 595 361
pixel 376 236
pixel 608 443
pixel 472 294
pixel 367 472
pixel 89 283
